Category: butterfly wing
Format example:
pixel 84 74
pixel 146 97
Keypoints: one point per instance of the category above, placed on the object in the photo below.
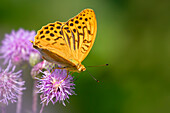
pixel 80 32
pixel 70 42
pixel 52 45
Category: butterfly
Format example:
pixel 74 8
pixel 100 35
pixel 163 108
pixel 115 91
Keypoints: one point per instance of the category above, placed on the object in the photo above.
pixel 68 43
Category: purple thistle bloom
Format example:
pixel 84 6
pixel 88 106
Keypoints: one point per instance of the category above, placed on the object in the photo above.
pixel 40 66
pixel 11 85
pixel 17 46
pixel 54 88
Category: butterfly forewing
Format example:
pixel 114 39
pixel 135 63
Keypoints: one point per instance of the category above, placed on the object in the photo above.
pixel 50 37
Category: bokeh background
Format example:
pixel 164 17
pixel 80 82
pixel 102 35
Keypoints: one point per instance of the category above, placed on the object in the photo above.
pixel 133 37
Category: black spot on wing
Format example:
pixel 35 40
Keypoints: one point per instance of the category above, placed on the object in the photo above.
pixel 61 33
pixel 87 46
pixel 51 28
pixel 71 24
pixel 52 25
pixel 62 44
pixel 54 43
pixel 51 34
pixel 59 23
pixel 41 32
pixel 68 31
pixel 79 27
pixel 47 32
pixel 42 36
pixel 89 32
pixel 84 49
pixel 45 27
pixel 86 41
pixel 66 28
pixel 81 34
pixel 58 27
pixel 48 39
pixel 76 21
pixel 74 30
pixel 57 38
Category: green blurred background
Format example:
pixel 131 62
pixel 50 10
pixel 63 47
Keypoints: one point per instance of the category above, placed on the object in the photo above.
pixel 133 37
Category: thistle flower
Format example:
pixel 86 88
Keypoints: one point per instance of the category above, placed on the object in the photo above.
pixel 11 85
pixel 40 66
pixel 54 88
pixel 17 46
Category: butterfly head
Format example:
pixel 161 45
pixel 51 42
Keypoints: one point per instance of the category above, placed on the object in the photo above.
pixel 34 46
pixel 81 68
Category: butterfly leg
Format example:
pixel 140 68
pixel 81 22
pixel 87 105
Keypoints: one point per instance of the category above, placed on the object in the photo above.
pixel 65 77
pixel 57 68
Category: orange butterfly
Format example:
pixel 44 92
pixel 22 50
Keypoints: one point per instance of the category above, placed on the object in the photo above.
pixel 68 43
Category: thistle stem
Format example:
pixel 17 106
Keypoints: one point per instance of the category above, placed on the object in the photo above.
pixel 35 95
pixel 19 103
pixel 3 108
pixel 42 108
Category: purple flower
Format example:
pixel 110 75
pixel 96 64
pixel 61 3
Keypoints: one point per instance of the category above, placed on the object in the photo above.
pixel 17 46
pixel 40 66
pixel 54 88
pixel 11 84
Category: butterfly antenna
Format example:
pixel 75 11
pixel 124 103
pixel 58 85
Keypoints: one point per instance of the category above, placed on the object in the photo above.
pixel 31 41
pixel 98 65
pixel 92 76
